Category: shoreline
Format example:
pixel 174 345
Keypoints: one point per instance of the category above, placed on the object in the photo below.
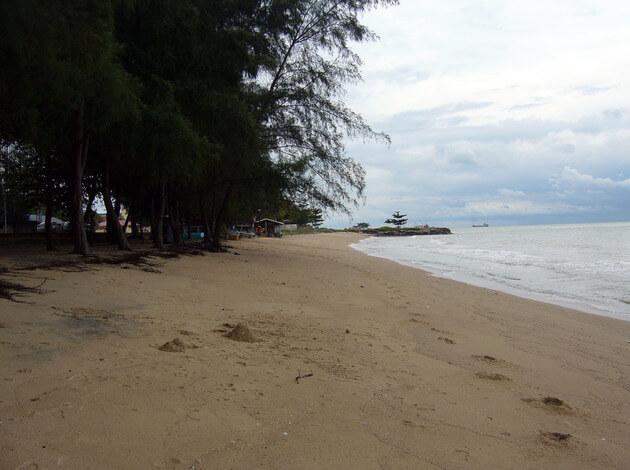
pixel 408 370
pixel 522 293
pixel 586 270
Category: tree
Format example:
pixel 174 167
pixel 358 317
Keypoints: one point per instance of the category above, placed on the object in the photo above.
pixel 188 112
pixel 361 226
pixel 65 84
pixel 192 58
pixel 316 218
pixel 397 219
pixel 306 120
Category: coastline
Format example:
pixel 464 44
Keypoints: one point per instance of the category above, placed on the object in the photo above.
pixel 409 370
pixel 490 284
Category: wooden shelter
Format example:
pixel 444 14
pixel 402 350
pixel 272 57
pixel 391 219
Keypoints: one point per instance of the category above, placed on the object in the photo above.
pixel 269 228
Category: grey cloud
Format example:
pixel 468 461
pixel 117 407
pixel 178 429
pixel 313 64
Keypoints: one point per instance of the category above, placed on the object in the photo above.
pixel 454 165
pixel 502 131
pixel 520 107
pixel 463 160
pixel 593 89
pixel 448 116
pixel 400 75
pixel 614 113
pixel 572 177
pixel 566 148
pixel 422 125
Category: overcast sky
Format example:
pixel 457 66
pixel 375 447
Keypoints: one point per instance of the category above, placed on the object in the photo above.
pixel 501 111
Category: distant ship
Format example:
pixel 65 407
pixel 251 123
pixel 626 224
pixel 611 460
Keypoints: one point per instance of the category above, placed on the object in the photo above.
pixel 480 225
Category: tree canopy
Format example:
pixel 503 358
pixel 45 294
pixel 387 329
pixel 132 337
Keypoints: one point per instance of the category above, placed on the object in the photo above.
pixel 397 219
pixel 188 112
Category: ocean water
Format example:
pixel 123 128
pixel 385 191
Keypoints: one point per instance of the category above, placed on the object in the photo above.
pixel 582 266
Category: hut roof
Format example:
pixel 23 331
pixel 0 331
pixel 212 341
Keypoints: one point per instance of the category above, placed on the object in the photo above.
pixel 271 221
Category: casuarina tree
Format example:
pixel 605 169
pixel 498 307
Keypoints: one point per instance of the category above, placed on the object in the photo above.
pixel 180 113
pixel 397 219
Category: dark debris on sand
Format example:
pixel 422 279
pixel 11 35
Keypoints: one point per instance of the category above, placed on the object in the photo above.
pixel 10 290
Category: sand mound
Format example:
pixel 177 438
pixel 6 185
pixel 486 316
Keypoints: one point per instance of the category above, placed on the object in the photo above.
pixel 176 345
pixel 241 333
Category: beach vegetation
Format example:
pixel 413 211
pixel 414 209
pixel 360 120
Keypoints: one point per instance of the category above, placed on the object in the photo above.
pixel 397 219
pixel 174 114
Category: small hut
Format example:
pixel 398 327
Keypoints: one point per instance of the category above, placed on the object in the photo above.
pixel 269 228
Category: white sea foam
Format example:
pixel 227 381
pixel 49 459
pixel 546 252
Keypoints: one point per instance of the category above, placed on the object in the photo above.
pixel 584 266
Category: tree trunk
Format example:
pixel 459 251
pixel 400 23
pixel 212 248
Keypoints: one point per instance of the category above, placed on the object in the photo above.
pixel 217 221
pixel 176 226
pixel 112 220
pixel 153 219
pixel 81 142
pixel 206 224
pixel 117 205
pixel 158 238
pixel 49 206
pixel 88 217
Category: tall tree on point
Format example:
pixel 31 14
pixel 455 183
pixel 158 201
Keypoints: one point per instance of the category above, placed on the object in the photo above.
pixel 397 219
pixel 316 217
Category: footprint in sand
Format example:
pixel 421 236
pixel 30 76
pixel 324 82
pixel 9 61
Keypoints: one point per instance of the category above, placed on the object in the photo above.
pixel 444 332
pixel 494 377
pixel 485 358
pixel 555 438
pixel 446 340
pixel 550 403
pixel 412 424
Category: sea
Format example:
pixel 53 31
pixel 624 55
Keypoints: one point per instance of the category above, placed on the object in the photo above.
pixel 581 266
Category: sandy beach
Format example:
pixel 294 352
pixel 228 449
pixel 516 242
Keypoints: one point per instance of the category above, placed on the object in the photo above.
pixel 408 371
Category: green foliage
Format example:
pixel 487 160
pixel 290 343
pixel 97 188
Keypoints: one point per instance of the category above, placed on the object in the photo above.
pixel 199 110
pixel 397 219
pixel 306 119
pixel 316 218
pixel 22 179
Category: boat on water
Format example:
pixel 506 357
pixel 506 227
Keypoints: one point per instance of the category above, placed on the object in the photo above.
pixel 479 225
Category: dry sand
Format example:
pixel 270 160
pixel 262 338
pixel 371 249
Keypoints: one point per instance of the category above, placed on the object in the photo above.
pixel 409 371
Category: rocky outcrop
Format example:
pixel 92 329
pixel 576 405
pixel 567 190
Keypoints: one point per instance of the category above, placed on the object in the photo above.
pixel 408 232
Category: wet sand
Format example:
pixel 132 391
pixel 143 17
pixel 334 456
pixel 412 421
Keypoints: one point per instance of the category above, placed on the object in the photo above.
pixel 408 371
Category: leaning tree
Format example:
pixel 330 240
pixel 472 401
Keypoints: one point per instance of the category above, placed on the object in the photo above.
pixel 306 119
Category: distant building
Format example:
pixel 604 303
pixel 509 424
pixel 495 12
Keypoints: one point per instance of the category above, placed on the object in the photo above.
pixel 269 228
pixel 37 223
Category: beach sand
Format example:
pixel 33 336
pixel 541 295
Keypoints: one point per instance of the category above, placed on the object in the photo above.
pixel 408 371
